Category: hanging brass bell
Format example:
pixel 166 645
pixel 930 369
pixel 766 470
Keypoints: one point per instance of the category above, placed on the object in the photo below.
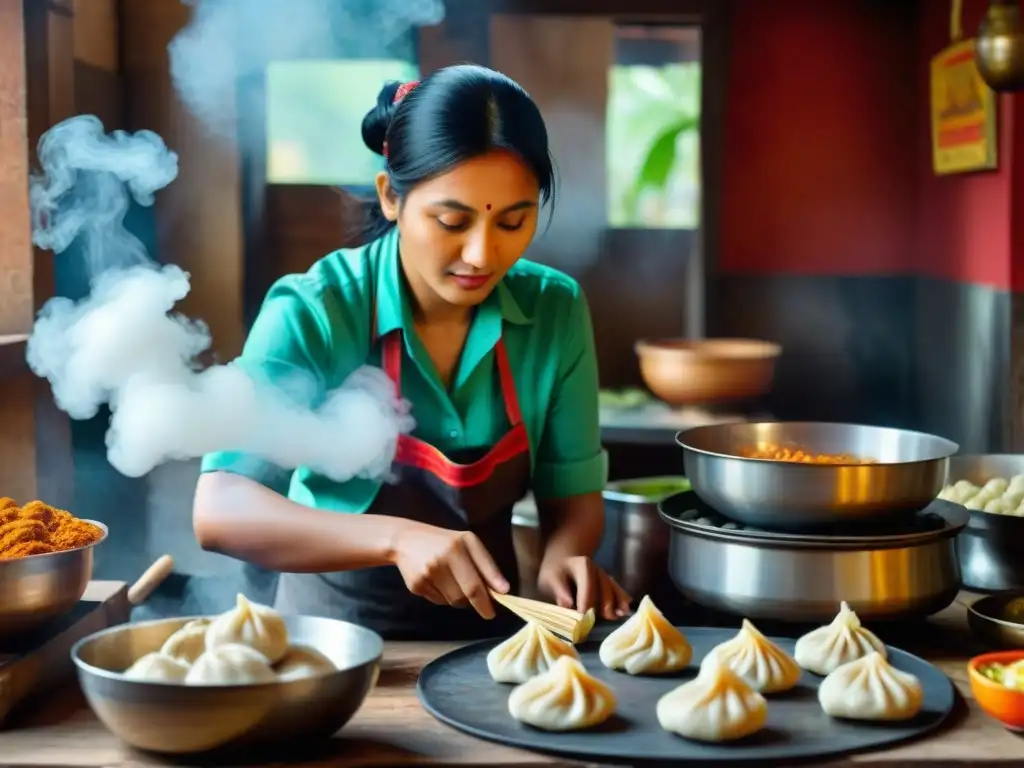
pixel 999 47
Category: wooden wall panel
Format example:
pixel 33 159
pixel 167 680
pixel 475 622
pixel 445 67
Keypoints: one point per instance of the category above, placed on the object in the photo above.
pixel 199 215
pixel 16 308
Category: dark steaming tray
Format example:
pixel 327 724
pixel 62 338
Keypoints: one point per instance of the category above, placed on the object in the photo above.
pixel 458 690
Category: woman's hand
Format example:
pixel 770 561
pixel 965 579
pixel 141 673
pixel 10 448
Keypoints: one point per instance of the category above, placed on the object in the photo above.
pixel 447 567
pixel 578 581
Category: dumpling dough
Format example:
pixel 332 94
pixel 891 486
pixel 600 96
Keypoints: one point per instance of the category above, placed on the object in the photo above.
pixel 565 698
pixel 870 689
pixel 188 643
pixel 258 626
pixel 761 663
pixel 302 661
pixel 715 706
pixel 824 649
pixel 646 644
pixel 157 668
pixel 529 652
pixel 230 664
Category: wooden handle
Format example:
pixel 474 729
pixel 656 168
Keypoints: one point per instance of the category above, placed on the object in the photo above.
pixel 150 580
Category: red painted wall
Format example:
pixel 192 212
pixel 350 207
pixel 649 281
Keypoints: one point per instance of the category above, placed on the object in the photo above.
pixel 828 155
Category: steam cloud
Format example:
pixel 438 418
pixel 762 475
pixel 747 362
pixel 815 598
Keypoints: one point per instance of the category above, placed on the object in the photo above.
pixel 124 346
pixel 231 40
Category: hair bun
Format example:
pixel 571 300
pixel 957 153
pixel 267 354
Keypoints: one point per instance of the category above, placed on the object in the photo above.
pixel 377 120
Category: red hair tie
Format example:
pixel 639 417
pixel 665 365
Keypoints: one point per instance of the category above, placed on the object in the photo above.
pixel 403 90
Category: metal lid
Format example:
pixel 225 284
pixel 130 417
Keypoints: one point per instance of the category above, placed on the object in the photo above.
pixel 941 519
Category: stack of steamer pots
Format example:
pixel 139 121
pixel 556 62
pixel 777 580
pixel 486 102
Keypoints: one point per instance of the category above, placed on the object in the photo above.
pixel 788 541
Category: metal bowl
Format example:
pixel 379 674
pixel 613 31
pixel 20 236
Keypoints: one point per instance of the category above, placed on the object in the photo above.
pixel 38 588
pixel 991 550
pixel 989 619
pixel 908 473
pixel 185 719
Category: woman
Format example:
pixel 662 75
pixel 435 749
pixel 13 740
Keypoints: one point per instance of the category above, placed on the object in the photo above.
pixel 495 354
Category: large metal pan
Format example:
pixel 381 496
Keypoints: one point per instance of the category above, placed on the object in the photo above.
pixel 909 471
pixel 38 588
pixel 991 550
pixel 187 719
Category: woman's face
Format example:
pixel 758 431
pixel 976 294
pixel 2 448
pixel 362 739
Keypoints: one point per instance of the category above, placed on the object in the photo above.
pixel 461 232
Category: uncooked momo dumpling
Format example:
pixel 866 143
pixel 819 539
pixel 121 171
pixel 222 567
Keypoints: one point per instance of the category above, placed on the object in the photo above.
pixel 646 644
pixel 715 706
pixel 870 689
pixel 258 626
pixel 157 668
pixel 303 661
pixel 844 640
pixel 530 651
pixel 230 664
pixel 188 643
pixel 760 662
pixel 565 698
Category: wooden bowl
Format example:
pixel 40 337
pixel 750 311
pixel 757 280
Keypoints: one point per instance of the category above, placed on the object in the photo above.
pixel 693 371
pixel 997 701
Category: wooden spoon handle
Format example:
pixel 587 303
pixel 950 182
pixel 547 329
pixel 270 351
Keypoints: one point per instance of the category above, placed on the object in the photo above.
pixel 150 580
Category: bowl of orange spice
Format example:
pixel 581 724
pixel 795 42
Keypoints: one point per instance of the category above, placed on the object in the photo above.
pixel 46 557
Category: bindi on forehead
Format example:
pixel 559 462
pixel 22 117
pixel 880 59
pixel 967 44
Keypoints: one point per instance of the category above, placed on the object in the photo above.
pixel 488 206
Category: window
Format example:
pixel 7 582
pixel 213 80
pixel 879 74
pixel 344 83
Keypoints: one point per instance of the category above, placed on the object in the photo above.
pixel 653 128
pixel 314 112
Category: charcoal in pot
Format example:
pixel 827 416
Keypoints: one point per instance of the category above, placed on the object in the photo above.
pixel 730 527
pixel 688 514
pixel 704 521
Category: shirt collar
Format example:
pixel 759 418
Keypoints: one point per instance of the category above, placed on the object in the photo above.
pixel 391 306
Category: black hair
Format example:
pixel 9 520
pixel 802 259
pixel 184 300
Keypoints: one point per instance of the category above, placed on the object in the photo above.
pixel 455 114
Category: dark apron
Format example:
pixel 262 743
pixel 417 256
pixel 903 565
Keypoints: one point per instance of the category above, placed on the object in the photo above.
pixel 467 491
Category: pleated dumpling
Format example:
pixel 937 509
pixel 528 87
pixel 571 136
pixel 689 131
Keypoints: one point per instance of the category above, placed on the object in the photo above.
pixel 761 663
pixel 529 652
pixel 716 706
pixel 646 644
pixel 157 668
pixel 870 688
pixel 826 648
pixel 565 698
pixel 258 626
pixel 188 643
pixel 230 664
pixel 303 661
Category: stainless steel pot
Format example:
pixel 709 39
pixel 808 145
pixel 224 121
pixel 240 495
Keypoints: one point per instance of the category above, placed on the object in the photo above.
pixel 908 472
pixel 991 550
pixel 804 578
pixel 635 545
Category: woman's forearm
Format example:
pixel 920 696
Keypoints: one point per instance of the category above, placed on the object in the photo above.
pixel 237 516
pixel 572 526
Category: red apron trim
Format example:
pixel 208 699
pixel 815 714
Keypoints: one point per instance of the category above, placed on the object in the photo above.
pixel 414 452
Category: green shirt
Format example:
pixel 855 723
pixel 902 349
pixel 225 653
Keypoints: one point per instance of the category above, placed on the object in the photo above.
pixel 320 321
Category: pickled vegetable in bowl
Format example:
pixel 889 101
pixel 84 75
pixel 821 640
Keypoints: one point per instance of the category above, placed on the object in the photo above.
pixel 1007 675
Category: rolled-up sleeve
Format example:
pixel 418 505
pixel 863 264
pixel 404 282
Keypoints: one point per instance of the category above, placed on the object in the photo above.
pixel 288 348
pixel 570 459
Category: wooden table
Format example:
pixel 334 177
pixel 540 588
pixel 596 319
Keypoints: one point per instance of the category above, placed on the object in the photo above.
pixel 393 730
